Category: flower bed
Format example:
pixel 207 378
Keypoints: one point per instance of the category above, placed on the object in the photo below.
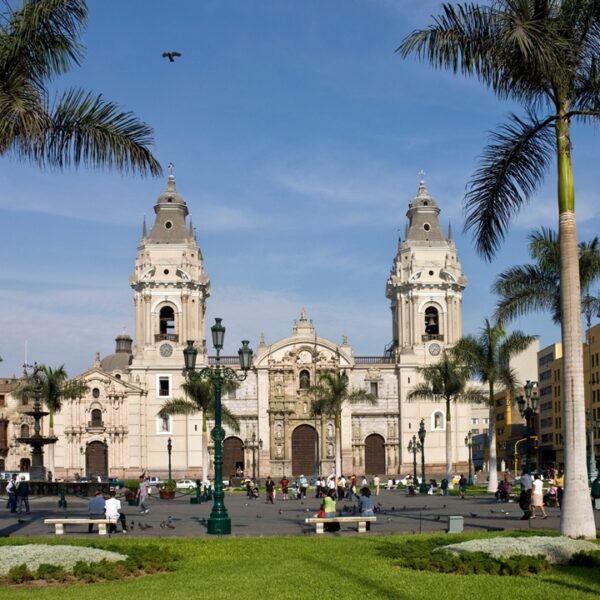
pixel 33 555
pixel 556 550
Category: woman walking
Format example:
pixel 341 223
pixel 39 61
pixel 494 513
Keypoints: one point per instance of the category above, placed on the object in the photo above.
pixel 537 497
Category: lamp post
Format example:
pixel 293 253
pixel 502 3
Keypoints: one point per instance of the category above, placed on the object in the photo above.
pixel 253 444
pixel 219 522
pixel 528 406
pixel 469 445
pixel 169 448
pixel 421 433
pixel 415 447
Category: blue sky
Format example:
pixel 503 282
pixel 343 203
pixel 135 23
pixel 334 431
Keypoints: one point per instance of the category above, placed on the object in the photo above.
pixel 297 136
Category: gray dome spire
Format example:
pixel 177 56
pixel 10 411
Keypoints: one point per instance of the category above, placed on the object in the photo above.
pixel 171 210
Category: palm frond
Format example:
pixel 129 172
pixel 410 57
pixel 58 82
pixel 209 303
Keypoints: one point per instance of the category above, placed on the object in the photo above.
pixel 230 419
pixel 178 406
pixel 512 166
pixel 86 129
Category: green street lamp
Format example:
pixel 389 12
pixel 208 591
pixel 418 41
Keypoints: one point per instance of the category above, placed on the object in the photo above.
pixel 415 447
pixel 528 406
pixel 421 433
pixel 219 522
pixel 253 444
pixel 469 445
pixel 169 448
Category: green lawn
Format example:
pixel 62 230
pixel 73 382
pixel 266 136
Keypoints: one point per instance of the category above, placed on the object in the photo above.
pixel 293 567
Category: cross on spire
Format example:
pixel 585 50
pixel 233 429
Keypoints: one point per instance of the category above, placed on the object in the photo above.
pixel 171 167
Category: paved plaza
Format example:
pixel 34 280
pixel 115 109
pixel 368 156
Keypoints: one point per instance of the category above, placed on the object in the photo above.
pixel 398 513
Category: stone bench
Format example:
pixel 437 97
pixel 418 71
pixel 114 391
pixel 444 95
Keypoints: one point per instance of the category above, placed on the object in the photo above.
pixel 320 522
pixel 59 524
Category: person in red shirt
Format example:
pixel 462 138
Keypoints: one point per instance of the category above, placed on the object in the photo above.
pixel 285 484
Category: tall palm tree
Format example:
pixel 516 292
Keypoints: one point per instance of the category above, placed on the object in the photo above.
pixel 55 387
pixel 532 287
pixel 200 398
pixel 543 54
pixel 446 381
pixel 489 355
pixel 330 393
pixel 38 42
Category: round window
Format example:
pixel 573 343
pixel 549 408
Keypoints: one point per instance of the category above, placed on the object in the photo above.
pixel 430 272
pixel 426 226
pixel 168 224
pixel 166 271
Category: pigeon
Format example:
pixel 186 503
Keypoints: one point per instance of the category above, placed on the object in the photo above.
pixel 443 506
pixel 20 521
pixel 162 525
pixel 246 504
pixel 389 518
pixel 258 516
pixel 393 508
pixel 171 55
pixel 280 511
pixel 474 515
pixel 437 518
pixel 142 526
pixel 169 526
pixel 148 526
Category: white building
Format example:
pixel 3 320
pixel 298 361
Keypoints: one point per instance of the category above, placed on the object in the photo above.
pixel 115 428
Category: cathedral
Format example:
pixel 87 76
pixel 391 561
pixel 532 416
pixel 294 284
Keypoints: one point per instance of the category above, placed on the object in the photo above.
pixel 115 429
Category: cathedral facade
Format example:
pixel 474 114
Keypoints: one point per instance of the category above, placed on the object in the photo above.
pixel 115 428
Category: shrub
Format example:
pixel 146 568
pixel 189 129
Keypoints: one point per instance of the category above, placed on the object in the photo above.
pixel 20 574
pixel 51 572
pixel 586 559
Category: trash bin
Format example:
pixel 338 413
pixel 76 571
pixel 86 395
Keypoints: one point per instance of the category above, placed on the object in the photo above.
pixel 456 524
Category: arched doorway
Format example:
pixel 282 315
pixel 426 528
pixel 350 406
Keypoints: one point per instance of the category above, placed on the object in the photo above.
pixel 233 456
pixel 304 451
pixel 96 460
pixel 374 455
pixel 24 465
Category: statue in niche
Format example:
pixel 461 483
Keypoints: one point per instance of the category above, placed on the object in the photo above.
pixel 355 429
pixel 278 431
pixel 438 421
pixel 329 450
pixel 330 431
pixel 278 389
pixel 278 451
pixel 305 407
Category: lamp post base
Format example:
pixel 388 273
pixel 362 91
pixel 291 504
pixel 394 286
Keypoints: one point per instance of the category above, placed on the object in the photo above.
pixel 423 489
pixel 219 525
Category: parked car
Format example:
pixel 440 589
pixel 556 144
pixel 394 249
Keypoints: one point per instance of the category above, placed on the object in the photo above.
pixel 186 484
pixel 155 481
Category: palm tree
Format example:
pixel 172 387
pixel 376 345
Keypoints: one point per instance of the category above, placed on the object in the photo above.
pixel 543 54
pixel 38 42
pixel 533 287
pixel 200 398
pixel 55 387
pixel 488 355
pixel 446 381
pixel 330 393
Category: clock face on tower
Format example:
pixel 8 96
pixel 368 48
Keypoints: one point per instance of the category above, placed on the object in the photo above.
pixel 166 350
pixel 434 349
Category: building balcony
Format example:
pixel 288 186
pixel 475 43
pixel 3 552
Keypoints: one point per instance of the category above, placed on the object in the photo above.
pixel 166 337
pixel 432 337
pixel 95 427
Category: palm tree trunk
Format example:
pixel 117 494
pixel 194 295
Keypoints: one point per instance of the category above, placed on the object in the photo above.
pixel 492 450
pixel 577 518
pixel 204 448
pixel 448 443
pixel 338 447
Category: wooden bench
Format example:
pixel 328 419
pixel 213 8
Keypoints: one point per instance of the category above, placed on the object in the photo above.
pixel 59 524
pixel 320 522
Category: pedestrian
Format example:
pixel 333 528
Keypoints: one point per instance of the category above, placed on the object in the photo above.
pixel 270 488
pixel 303 487
pixel 11 490
pixel 462 486
pixel 537 497
pixel 376 484
pixel 525 497
pixel 341 487
pixel 96 509
pixel 364 483
pixel 23 495
pixel 112 508
pixel 366 506
pixel 559 482
pixel 142 494
pixel 285 484
pixel 444 486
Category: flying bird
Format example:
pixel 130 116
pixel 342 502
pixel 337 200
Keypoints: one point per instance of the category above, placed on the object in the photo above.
pixel 171 55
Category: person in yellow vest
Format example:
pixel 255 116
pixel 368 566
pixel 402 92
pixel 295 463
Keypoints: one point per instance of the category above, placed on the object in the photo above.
pixel 559 482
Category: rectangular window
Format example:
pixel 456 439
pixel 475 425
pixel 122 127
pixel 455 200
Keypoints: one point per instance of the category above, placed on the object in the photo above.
pixel 164 386
pixel 475 432
pixel 2 400
pixel 374 389
pixel 474 421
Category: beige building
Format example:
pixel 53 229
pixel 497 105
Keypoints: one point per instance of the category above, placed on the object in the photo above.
pixel 115 429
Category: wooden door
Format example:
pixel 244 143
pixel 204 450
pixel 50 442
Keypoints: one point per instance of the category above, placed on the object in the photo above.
pixel 304 448
pixel 374 455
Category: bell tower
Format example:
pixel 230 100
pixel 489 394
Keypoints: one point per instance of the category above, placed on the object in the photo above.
pixel 426 282
pixel 170 285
